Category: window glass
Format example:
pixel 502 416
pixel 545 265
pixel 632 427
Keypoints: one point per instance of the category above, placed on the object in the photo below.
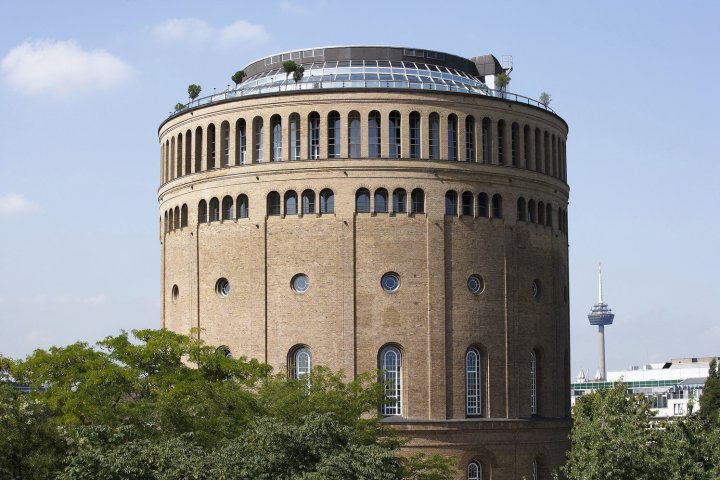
pixel 390 366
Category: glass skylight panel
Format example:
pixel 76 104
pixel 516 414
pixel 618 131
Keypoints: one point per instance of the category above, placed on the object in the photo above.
pixel 356 76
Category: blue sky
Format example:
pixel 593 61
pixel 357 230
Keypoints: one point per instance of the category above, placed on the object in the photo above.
pixel 84 86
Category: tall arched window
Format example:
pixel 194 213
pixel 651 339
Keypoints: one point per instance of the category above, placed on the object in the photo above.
pixel 417 201
pixel 166 225
pixel 333 133
pixel 259 139
pixel 399 201
pixel 541 213
pixel 172 158
pixel 240 142
pixel 184 216
pixel 188 151
pixel 171 223
pixel 534 470
pixel 198 149
pixel 533 383
pixel 486 140
pixel 467 204
pixel 314 136
pixel 302 363
pixel 273 203
pixel 526 146
pixel 227 208
pixel 452 137
pixel 497 206
pixel 473 400
pixel 295 136
pixel 210 151
pixel 474 471
pixel 243 207
pixel 381 200
pixel 434 136
pixel 327 201
pixel 482 207
pixel 176 223
pixel 354 135
pixel 308 202
pixel 538 151
pixel 291 203
pixel 548 215
pixel 225 144
pixel 276 138
pixel 362 200
pixel 451 202
pixel 532 211
pixel 214 210
pixel 202 211
pixel 179 155
pixel 394 138
pixel 521 209
pixel 374 135
pixel 391 377
pixel 514 133
pixel 469 138
pixel 414 135
pixel 501 142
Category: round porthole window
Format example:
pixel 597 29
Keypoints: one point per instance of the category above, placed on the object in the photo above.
pixel 300 283
pixel 390 282
pixel 475 284
pixel 535 288
pixel 175 293
pixel 222 287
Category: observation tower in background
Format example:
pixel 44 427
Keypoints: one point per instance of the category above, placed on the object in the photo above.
pixel 601 315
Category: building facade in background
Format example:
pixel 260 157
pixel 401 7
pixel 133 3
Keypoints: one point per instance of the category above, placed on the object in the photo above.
pixel 385 210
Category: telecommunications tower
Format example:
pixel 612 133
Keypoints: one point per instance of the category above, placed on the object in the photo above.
pixel 601 315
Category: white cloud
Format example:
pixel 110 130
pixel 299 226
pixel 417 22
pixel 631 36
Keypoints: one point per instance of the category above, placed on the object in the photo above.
pixel 194 29
pixel 14 204
pixel 291 8
pixel 61 68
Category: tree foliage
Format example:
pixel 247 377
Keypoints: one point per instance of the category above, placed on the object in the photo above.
pixel 502 80
pixel 238 77
pixel 545 98
pixel 194 91
pixel 158 405
pixel 710 398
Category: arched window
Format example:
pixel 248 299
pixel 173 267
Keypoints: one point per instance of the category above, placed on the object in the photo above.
pixel 184 216
pixel 290 203
pixel 399 201
pixel 521 209
pixel 294 136
pixel 532 211
pixel 227 208
pixel 170 224
pixel 188 151
pixel 473 399
pixel 547 159
pixel 179 155
pixel 225 144
pixel 381 200
pixel 394 139
pixel 314 136
pixel 259 139
pixel 327 201
pixel 308 202
pixel 214 210
pixel 333 133
pixel 172 158
pixel 240 142
pixel 526 146
pixel 497 206
pixel 202 211
pixel 548 215
pixel 362 200
pixel 467 204
pixel 210 150
pixel 166 224
pixel 514 133
pixel 354 135
pixel 501 142
pixel 469 139
pixel 561 220
pixel 414 135
pixel 301 363
pixel 198 149
pixel 534 470
pixel 533 383
pixel 474 471
pixel 452 137
pixel 273 203
pixel 276 138
pixel 374 136
pixel 434 136
pixel 538 151
pixel 417 201
pixel 486 140
pixel 391 378
pixel 482 205
pixel 176 223
pixel 243 206
pixel 541 213
pixel 451 202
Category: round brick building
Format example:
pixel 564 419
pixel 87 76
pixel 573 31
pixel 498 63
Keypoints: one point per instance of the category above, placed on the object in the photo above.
pixel 384 209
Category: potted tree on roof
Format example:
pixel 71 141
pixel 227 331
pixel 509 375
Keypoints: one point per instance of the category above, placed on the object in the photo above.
pixel 501 82
pixel 238 77
pixel 194 91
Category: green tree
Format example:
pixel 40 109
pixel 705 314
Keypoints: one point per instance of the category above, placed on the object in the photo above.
pixel 194 91
pixel 238 77
pixel 502 80
pixel 710 398
pixel 179 106
pixel 545 98
pixel 289 66
pixel 689 449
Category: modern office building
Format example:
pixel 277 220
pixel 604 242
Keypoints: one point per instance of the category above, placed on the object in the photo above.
pixel 388 210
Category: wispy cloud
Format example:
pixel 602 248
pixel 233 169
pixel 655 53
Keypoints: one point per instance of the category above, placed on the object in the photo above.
pixel 15 204
pixel 61 68
pixel 292 8
pixel 194 29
